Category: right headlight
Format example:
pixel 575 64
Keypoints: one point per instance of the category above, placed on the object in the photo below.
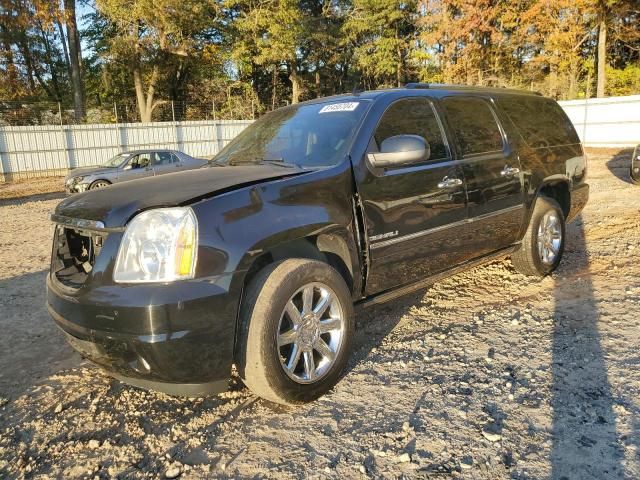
pixel 158 245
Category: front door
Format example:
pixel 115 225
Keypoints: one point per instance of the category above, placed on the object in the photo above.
pixel 139 166
pixel 414 214
pixel 492 173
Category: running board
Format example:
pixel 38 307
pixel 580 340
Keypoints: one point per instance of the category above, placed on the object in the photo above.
pixel 392 294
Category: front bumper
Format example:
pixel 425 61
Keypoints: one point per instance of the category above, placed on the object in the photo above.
pixel 71 187
pixel 176 338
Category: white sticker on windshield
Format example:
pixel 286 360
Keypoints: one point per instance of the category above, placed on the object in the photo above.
pixel 339 107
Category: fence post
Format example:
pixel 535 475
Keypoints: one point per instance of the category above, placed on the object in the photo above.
pixel 213 105
pixel 584 122
pixel 5 161
pixel 60 112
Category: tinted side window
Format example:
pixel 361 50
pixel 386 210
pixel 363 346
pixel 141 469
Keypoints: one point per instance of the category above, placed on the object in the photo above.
pixel 540 121
pixel 474 125
pixel 412 116
pixel 163 158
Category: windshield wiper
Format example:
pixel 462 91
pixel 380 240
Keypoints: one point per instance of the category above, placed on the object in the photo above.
pixel 278 162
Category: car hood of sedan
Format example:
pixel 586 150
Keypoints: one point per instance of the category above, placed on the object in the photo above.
pixel 84 171
pixel 116 204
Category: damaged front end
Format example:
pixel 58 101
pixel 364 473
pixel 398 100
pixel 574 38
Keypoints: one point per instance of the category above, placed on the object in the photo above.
pixel 75 249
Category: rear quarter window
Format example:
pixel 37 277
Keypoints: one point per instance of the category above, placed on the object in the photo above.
pixel 540 121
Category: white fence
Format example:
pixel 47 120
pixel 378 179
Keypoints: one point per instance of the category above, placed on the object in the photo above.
pixel 34 151
pixel 606 122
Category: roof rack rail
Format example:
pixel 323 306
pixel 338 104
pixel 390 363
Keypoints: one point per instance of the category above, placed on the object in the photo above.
pixel 425 86
pixel 416 85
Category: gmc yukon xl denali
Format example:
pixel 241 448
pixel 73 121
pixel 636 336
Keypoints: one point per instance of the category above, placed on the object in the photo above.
pixel 259 259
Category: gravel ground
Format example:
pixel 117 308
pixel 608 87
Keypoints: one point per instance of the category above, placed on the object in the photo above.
pixel 489 374
pixel 30 187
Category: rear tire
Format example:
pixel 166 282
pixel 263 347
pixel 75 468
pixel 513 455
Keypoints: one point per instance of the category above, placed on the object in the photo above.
pixel 296 331
pixel 543 244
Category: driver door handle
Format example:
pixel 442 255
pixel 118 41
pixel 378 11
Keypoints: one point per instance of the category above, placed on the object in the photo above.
pixel 508 171
pixel 449 182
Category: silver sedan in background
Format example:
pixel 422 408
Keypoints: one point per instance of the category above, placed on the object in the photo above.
pixel 129 166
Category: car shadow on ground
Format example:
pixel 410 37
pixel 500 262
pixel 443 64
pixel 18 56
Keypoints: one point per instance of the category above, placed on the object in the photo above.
pixel 620 163
pixel 584 421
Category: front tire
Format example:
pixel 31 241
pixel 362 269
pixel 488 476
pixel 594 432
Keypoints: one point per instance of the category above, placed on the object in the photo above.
pixel 543 244
pixel 296 331
pixel 99 184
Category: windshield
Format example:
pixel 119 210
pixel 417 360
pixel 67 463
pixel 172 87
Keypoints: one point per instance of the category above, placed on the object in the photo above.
pixel 116 161
pixel 307 136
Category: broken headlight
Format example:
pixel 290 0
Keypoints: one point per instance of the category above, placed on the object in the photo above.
pixel 159 245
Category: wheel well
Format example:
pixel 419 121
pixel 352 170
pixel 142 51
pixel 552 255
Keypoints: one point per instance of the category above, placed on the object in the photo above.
pixel 321 248
pixel 559 191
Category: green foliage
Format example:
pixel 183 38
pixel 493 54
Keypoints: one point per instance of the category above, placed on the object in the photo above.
pixel 624 81
pixel 249 56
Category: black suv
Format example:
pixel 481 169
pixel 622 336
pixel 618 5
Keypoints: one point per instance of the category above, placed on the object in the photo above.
pixel 259 259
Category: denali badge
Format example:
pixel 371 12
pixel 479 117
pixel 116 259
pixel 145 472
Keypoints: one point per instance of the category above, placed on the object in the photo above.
pixel 384 235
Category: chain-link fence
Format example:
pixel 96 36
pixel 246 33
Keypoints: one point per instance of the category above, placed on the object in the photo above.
pixel 21 113
pixel 33 153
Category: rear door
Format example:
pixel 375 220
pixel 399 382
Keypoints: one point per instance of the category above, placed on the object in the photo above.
pixel 492 173
pixel 165 162
pixel 414 214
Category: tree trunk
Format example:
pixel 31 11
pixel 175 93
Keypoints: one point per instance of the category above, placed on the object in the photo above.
pixel 317 76
pixel 602 57
pixel 65 50
pixel 573 81
pixel 146 101
pixel 32 74
pixel 295 83
pixel 274 86
pixel 139 87
pixel 75 59
pixel 400 68
pixel 50 63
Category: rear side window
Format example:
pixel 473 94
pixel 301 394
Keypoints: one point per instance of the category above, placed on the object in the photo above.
pixel 163 158
pixel 540 121
pixel 412 116
pixel 474 125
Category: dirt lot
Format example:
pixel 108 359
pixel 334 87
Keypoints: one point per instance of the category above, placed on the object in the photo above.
pixel 31 187
pixel 486 375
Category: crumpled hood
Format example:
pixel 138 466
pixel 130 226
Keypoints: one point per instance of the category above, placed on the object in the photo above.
pixel 116 204
pixel 84 171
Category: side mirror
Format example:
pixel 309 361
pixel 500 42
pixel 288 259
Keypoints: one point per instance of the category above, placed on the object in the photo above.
pixel 400 150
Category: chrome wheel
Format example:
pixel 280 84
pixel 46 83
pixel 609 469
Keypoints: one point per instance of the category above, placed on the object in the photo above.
pixel 310 333
pixel 549 237
pixel 99 184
